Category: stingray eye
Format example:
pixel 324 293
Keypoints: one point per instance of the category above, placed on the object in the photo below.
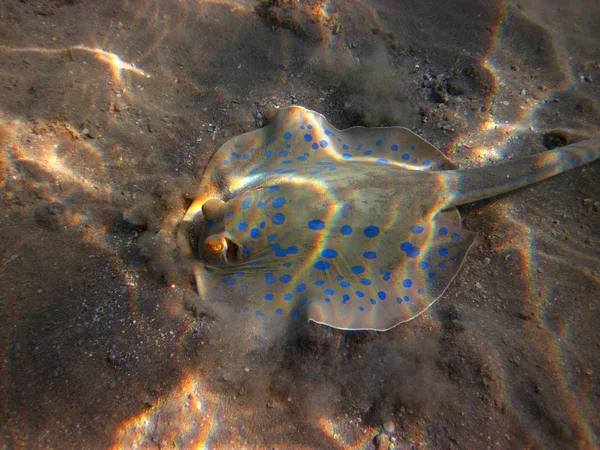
pixel 215 243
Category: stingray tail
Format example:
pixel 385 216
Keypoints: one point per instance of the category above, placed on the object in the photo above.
pixel 469 185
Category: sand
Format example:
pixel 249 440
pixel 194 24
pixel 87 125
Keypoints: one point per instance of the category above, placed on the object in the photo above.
pixel 109 111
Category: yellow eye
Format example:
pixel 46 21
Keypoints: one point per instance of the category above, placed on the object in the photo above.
pixel 214 243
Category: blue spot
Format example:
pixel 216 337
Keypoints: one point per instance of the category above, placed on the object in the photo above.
pixel 246 203
pixel 328 291
pixel 278 218
pixel 210 223
pixel 300 288
pixel 426 162
pixel 329 253
pixel 345 299
pixel 359 146
pixel 261 204
pixel 413 148
pixel 410 250
pixel 232 282
pixel 371 231
pixel 285 278
pixel 417 229
pixel 245 156
pixel 308 137
pixel 270 278
pixel 360 294
pixel 261 225
pixel 331 169
pixel 399 299
pixel 279 312
pixel 319 283
pixel 346 230
pixel 344 284
pixel 345 146
pixel 268 153
pixel 453 258
pixel 456 236
pixel 243 226
pixel 368 152
pixel 347 155
pixel 443 231
pixel 254 233
pixel 370 255
pixel 287 264
pixel 287 161
pixel 309 126
pixel 322 265
pixel 379 142
pixel 327 133
pixel 327 300
pixel 269 297
pixel 421 291
pixel 283 153
pixel 340 277
pixel 407 283
pixel 357 270
pixel 361 309
pixel 373 301
pixel 431 275
pixel 279 252
pixel 395 148
pixel 287 135
pixel 301 158
pixel 405 156
pixel 226 162
pixel 295 313
pixel 292 250
pixel 443 251
pixel 387 276
pixel 424 265
pixel 278 202
pixel 273 188
pixel 382 295
pixel 324 143
pixel 365 281
pixel 259 314
pixel 442 265
pixel 316 224
pixel 287 297
pixel 230 214
pixel 382 160
pixel 302 127
pixel 246 310
pixel 271 237
pixel 246 249
pixel 314 146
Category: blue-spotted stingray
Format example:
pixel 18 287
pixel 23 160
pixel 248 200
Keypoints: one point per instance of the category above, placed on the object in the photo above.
pixel 356 229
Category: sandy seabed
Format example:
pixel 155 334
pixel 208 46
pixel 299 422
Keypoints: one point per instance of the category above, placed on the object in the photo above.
pixel 109 112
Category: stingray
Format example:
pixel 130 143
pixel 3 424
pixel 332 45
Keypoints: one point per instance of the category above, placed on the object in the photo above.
pixel 356 229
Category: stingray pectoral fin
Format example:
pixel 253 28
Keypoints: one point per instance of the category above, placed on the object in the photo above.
pixel 404 275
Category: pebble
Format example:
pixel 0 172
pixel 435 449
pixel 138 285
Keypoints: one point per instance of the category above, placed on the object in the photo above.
pixel 389 426
pixel 486 261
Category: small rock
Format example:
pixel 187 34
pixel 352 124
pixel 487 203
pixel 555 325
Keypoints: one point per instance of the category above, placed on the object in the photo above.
pixel 381 441
pixel 487 261
pixel 389 426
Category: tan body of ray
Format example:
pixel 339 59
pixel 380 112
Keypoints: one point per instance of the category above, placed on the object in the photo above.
pixel 355 229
